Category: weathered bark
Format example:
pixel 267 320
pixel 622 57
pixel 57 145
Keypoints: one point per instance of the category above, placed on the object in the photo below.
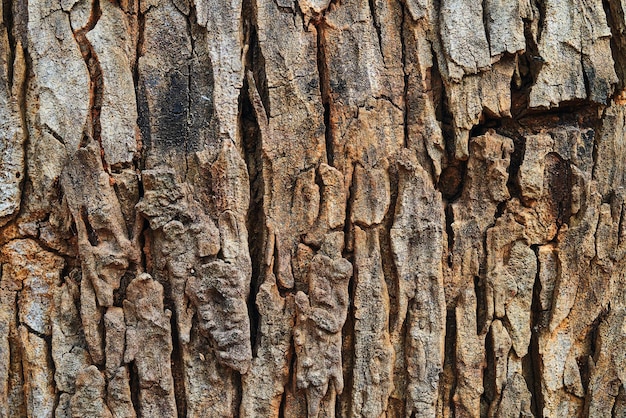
pixel 267 208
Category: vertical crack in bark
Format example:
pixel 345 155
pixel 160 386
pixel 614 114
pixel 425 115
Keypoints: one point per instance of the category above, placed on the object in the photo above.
pixel 95 76
pixel 447 386
pixel 586 82
pixel 584 367
pixel 49 360
pixel 326 92
pixel 291 380
pixel 449 215
pixel 490 394
pixel 7 18
pixel 255 219
pixel 389 266
pixel 177 364
pixel 437 91
pixel 15 353
pixel 20 87
pixel 483 322
pixel 405 92
pixel 143 112
pixel 344 400
pixel 178 369
pixel 443 112
pixel 616 405
pixel 255 61
pixel 481 300
pixel 394 288
pixel 376 22
pixel 485 22
pixel 92 235
pixel 135 16
pixel 133 378
pixel 537 319
pixel 142 228
pixel 53 370
pixel 620 226
pixel 541 7
pixel 615 21
pixel 141 25
pixel 597 134
pixel 528 67
pixel 517 157
pixel 253 125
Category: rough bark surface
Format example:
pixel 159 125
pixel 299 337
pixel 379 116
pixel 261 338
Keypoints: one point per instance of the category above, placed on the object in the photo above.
pixel 280 208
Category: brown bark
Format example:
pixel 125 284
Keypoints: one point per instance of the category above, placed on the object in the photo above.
pixel 265 208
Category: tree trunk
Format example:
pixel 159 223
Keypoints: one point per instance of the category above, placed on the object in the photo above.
pixel 264 208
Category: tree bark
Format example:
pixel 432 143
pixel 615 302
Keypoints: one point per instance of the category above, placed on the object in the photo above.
pixel 264 208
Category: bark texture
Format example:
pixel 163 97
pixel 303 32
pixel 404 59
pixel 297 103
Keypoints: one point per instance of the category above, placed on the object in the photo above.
pixel 323 208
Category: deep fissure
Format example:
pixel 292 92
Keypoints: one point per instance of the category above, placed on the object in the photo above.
pixel 326 92
pixel 96 83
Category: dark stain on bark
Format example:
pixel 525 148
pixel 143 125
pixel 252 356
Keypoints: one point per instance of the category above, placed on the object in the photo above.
pixel 200 86
pixel 172 113
pixel 559 184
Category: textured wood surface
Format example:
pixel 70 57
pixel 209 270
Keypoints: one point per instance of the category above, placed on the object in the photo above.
pixel 323 208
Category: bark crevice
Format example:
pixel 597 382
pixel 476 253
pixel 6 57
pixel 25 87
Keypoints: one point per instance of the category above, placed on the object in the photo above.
pixel 326 92
pixel 94 127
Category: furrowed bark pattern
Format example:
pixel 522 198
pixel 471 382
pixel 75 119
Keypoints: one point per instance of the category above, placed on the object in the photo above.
pixel 266 208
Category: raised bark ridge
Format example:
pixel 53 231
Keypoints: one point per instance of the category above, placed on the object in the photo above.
pixel 315 208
